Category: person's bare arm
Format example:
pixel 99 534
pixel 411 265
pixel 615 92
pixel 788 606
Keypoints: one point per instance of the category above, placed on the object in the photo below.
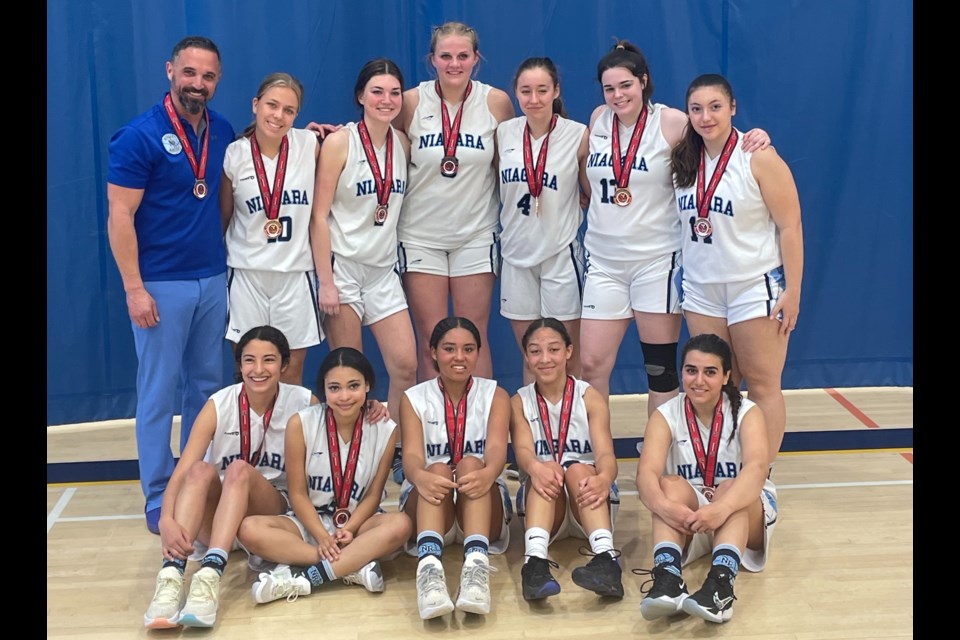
pixel 779 193
pixel 333 157
pixel 123 204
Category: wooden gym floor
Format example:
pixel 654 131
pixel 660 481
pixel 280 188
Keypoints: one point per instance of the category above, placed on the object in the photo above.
pixel 841 563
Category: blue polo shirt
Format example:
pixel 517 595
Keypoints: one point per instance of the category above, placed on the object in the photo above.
pixel 179 237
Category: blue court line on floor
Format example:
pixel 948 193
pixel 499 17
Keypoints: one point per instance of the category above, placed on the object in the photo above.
pixel 801 441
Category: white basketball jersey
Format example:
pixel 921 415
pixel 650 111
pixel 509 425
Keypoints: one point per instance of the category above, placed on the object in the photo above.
pixel 247 245
pixel 427 401
pixel 648 226
pixel 529 238
pixel 745 242
pixel 682 459
pixel 353 234
pixel 373 446
pixel 444 213
pixel 225 447
pixel 577 447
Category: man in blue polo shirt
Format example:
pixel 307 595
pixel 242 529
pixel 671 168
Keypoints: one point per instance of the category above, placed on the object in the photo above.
pixel 165 233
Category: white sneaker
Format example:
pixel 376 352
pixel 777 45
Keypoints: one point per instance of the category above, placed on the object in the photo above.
pixel 475 584
pixel 369 575
pixel 203 599
pixel 164 609
pixel 432 596
pixel 279 583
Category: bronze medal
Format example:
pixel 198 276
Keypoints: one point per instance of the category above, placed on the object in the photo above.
pixel 622 197
pixel 622 165
pixel 343 478
pixel 380 215
pixel 703 228
pixel 181 143
pixel 383 181
pixel 273 229
pixel 340 518
pixel 451 132
pixel 271 199
pixel 448 166
pixel 706 460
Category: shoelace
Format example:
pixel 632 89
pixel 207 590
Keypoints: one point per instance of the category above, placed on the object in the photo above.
pixel 713 583
pixel 587 551
pixel 168 591
pixel 478 575
pixel 430 579
pixel 203 587
pixel 653 575
pixel 544 566
pixel 355 577
pixel 284 586
pixel 294 594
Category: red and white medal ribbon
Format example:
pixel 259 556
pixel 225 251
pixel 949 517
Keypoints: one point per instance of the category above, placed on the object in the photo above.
pixel 449 164
pixel 243 403
pixel 702 226
pixel 199 170
pixel 343 478
pixel 271 200
pixel 707 461
pixel 456 421
pixel 535 174
pixel 566 409
pixel 622 166
pixel 382 180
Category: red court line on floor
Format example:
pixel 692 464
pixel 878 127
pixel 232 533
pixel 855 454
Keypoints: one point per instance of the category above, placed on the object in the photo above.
pixel 908 457
pixel 849 406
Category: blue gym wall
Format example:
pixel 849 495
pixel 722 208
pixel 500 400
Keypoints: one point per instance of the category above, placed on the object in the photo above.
pixel 830 80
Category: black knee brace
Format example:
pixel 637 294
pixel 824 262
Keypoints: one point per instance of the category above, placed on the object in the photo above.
pixel 660 361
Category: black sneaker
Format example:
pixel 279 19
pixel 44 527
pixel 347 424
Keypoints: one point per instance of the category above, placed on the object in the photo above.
pixel 601 575
pixel 714 600
pixel 537 580
pixel 665 591
pixel 512 472
pixel 397 466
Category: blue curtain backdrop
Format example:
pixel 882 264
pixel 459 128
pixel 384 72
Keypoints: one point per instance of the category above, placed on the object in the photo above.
pixel 830 80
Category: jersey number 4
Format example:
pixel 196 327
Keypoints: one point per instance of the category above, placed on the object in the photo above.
pixel 524 205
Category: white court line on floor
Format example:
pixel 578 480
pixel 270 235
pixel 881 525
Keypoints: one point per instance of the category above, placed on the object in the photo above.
pixel 835 485
pixel 58 509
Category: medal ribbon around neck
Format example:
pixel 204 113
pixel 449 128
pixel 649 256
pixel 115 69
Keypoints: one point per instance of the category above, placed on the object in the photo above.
pixel 244 409
pixel 705 196
pixel 706 462
pixel 451 133
pixel 382 180
pixel 621 172
pixel 271 200
pixel 343 478
pixel 535 175
pixel 566 409
pixel 456 420
pixel 199 171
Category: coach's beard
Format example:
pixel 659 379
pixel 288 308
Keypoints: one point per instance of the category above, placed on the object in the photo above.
pixel 193 102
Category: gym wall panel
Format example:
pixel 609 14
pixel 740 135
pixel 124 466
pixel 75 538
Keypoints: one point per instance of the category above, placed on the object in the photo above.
pixel 832 82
